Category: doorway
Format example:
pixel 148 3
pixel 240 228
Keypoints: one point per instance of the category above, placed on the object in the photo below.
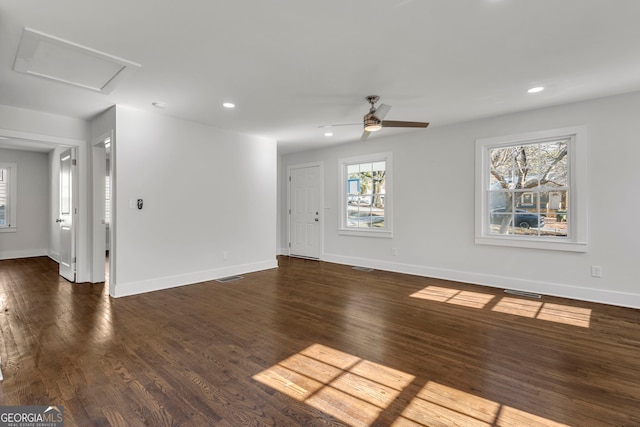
pixel 102 210
pixel 305 213
pixel 64 237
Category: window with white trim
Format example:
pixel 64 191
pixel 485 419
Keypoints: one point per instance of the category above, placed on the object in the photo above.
pixel 366 195
pixel 8 179
pixel 531 190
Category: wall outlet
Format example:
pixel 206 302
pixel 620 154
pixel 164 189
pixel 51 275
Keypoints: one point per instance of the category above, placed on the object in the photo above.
pixel 394 251
pixel 596 271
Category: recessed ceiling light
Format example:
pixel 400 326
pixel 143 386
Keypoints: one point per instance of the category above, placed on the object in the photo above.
pixel 536 89
pixel 159 104
pixel 229 105
pixel 328 134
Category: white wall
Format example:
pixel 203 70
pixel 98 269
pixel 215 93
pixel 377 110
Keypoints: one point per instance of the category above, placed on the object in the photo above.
pixel 434 206
pixel 55 129
pixel 205 191
pixel 31 236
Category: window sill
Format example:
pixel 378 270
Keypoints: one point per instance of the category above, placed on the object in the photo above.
pixel 519 242
pixel 365 232
pixel 7 229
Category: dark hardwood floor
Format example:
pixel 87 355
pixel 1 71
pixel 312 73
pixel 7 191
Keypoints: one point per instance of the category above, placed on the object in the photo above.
pixel 313 343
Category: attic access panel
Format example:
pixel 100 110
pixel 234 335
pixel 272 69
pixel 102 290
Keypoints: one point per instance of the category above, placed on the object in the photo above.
pixel 56 59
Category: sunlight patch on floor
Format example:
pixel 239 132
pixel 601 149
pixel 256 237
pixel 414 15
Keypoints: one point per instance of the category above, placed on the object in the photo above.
pixel 439 405
pixel 346 387
pixel 533 309
pixel 454 296
pixel 357 391
pixel 558 313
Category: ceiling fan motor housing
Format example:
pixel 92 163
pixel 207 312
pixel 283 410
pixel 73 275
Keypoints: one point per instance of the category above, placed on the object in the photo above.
pixel 372 123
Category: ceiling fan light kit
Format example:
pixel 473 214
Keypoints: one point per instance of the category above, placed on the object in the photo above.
pixel 372 124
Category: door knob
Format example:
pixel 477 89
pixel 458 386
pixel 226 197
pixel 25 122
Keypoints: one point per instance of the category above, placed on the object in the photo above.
pixel 316 220
pixel 59 220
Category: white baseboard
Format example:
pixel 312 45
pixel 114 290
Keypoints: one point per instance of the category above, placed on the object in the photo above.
pixel 545 288
pixel 54 256
pixel 29 253
pixel 160 283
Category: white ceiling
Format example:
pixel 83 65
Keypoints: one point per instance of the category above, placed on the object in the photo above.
pixel 291 65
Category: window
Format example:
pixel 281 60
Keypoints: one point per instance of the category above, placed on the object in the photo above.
pixel 366 196
pixel 107 199
pixel 531 190
pixel 8 178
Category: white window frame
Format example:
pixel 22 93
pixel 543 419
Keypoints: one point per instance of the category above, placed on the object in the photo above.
pixel 387 230
pixel 576 241
pixel 12 199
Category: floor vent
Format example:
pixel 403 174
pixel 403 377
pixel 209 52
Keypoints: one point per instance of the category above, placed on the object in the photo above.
pixel 522 293
pixel 229 279
pixel 366 269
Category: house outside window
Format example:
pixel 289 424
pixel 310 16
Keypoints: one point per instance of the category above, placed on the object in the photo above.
pixel 531 190
pixel 8 178
pixel 366 196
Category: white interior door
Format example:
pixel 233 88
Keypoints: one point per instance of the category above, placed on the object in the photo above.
pixel 305 214
pixel 65 220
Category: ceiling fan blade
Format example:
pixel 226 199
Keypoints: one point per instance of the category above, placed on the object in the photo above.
pixel 398 124
pixel 365 135
pixel 341 124
pixel 381 111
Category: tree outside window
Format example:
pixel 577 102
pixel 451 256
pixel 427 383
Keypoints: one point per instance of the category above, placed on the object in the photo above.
pixel 531 190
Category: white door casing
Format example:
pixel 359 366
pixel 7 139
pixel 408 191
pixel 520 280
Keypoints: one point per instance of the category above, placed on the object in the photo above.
pixel 66 217
pixel 305 214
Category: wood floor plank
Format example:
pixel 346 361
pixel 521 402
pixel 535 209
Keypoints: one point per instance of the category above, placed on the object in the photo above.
pixel 313 343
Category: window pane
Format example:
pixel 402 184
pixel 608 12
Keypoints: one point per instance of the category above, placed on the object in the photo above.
pixel 65 186
pixel 553 164
pixel 365 218
pixel 497 199
pixel 4 180
pixel 501 168
pixel 500 222
pixel 554 205
pixel 366 195
pixel 353 169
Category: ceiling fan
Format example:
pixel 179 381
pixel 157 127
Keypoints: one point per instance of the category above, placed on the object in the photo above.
pixel 374 121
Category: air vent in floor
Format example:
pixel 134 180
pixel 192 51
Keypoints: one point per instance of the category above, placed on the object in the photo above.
pixel 366 269
pixel 522 293
pixel 229 279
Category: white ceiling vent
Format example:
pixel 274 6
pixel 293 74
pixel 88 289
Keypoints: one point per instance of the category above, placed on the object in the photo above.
pixel 46 56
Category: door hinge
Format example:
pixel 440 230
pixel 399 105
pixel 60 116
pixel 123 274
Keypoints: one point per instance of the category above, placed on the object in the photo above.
pixel 289 178
pixel 74 162
pixel 289 211
pixel 74 259
pixel 289 244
